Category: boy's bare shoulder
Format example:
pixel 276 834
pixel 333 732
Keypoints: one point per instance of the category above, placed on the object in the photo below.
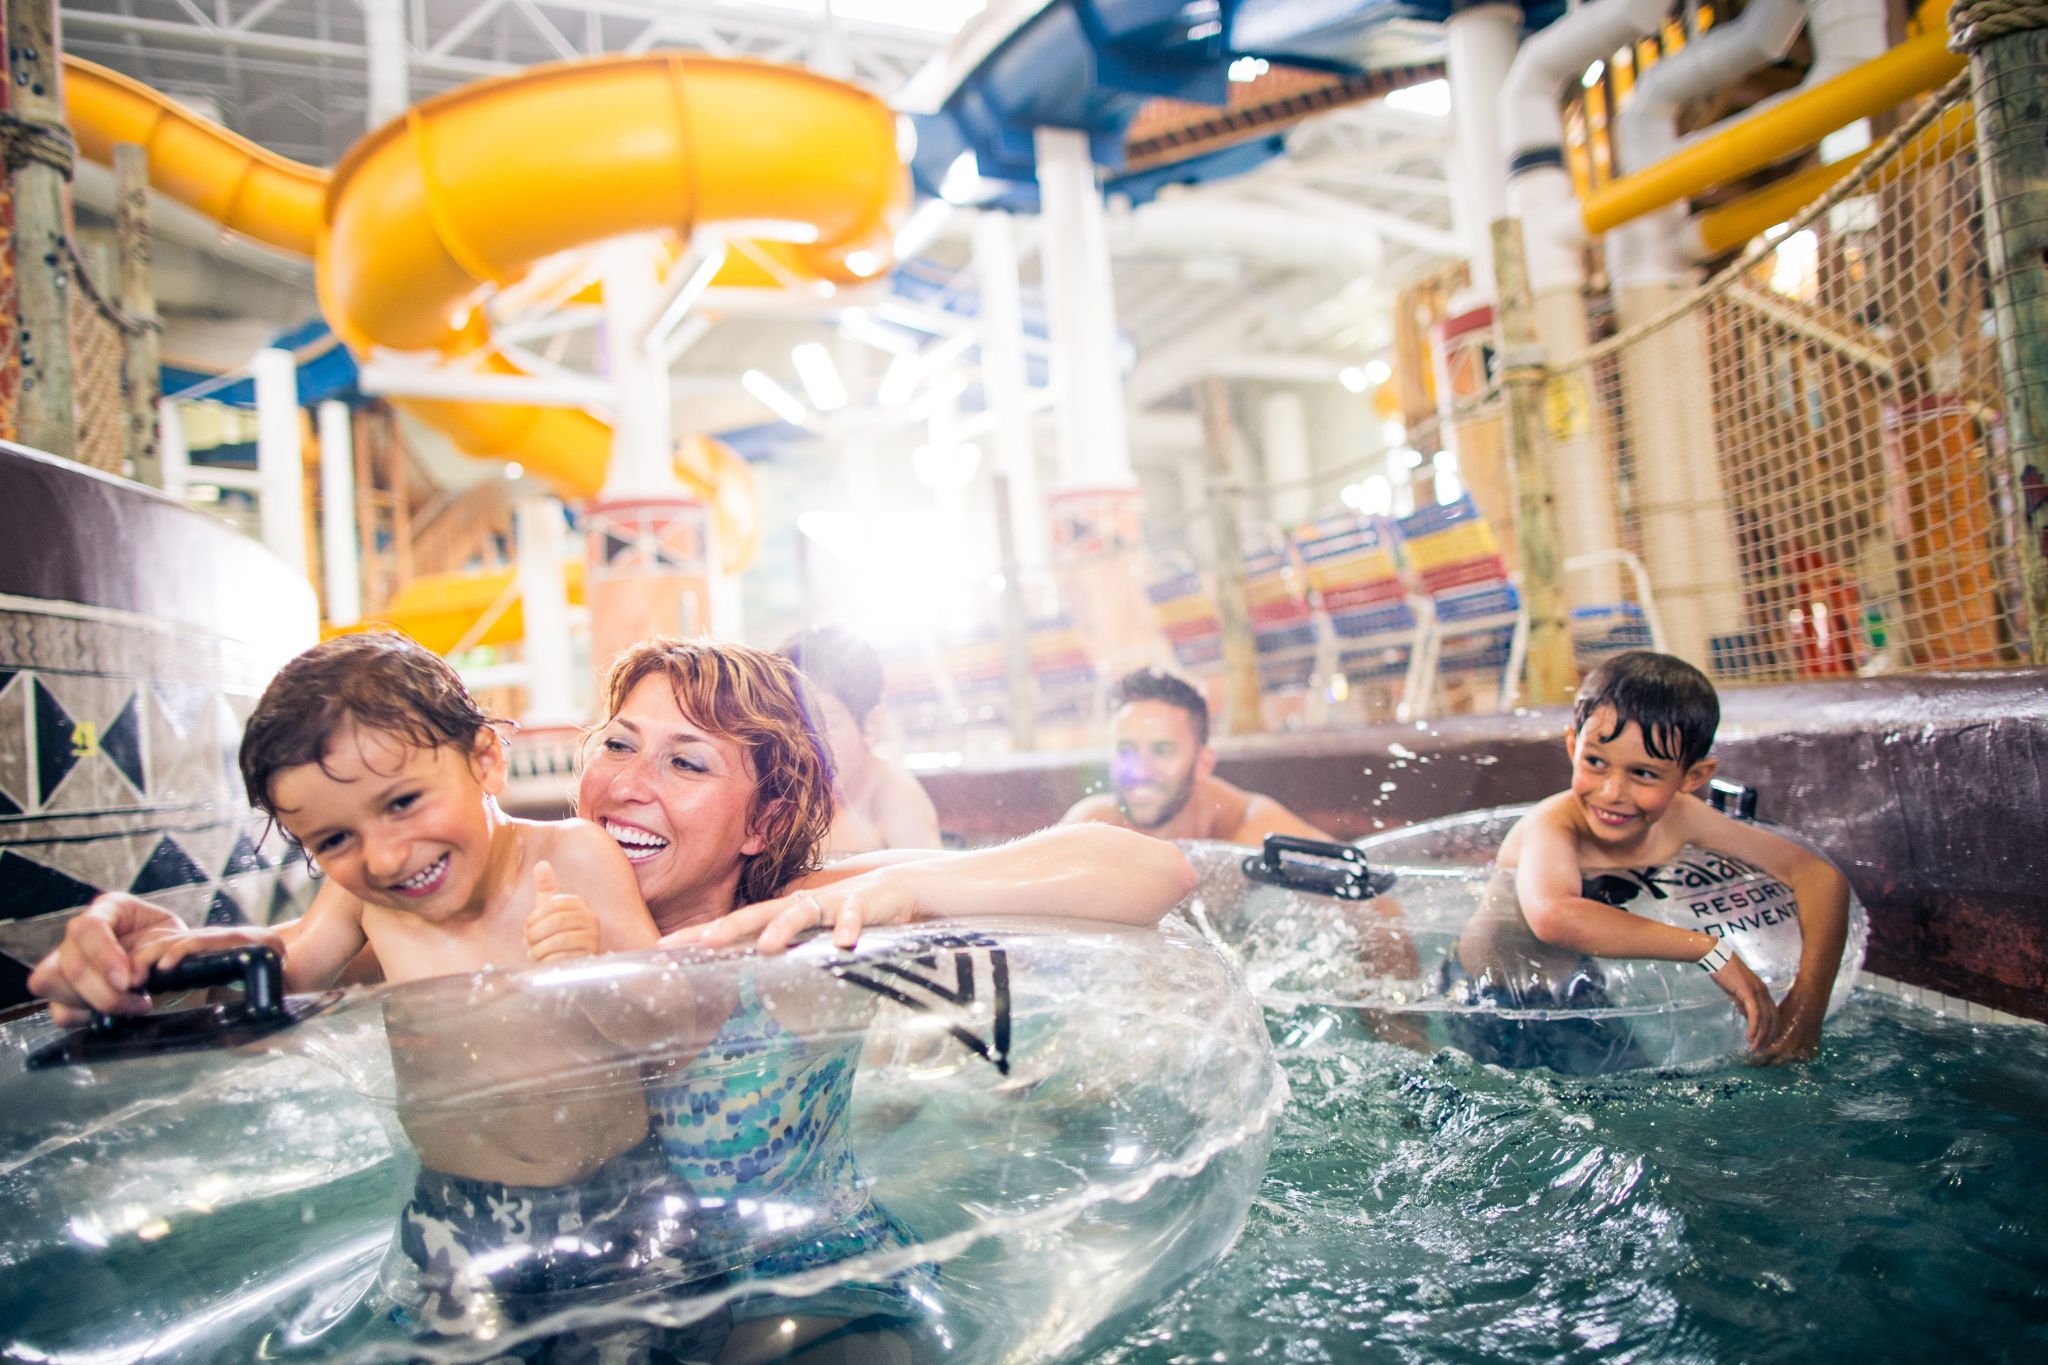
pixel 571 839
pixel 1552 814
pixel 1699 824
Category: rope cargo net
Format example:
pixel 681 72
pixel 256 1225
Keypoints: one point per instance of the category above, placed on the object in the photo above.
pixel 1807 453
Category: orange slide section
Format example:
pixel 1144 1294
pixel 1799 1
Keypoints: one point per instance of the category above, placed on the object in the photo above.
pixel 468 191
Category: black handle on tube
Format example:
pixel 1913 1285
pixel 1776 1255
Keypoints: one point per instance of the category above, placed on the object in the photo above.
pixel 1722 794
pixel 1319 866
pixel 257 969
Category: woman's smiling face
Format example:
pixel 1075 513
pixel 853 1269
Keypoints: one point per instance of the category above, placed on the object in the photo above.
pixel 678 798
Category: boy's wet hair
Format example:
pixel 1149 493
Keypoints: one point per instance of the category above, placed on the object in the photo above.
pixel 381 681
pixel 755 699
pixel 1151 684
pixel 1667 697
pixel 841 663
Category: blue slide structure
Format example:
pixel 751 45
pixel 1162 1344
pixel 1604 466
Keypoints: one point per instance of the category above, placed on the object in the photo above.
pixel 1092 64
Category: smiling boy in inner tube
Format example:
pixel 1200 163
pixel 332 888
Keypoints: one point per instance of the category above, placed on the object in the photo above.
pixel 1642 728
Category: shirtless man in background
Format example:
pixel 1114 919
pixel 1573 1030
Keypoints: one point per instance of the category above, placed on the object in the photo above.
pixel 879 804
pixel 1162 772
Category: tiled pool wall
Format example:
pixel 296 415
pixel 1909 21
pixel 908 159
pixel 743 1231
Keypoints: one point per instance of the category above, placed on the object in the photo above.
pixel 1930 791
pixel 135 637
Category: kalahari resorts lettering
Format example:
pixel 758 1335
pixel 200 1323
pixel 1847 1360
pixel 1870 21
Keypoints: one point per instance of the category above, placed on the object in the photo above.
pixel 1725 895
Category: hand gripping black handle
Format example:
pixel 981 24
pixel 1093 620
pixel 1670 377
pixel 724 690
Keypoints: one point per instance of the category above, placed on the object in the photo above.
pixel 257 969
pixel 1319 866
pixel 1722 794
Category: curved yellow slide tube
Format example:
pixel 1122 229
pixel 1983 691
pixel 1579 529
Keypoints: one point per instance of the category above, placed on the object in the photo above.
pixel 443 610
pixel 470 189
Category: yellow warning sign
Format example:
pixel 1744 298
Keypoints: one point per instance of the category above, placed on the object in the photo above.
pixel 1567 408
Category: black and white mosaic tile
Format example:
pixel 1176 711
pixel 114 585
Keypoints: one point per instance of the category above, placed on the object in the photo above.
pixel 126 781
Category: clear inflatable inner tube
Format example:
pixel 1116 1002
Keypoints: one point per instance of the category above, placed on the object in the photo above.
pixel 1440 956
pixel 990 1143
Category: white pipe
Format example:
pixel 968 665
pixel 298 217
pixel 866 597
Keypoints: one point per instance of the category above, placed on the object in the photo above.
pixel 1539 192
pixel 544 605
pixel 1645 131
pixel 1479 51
pixel 390 74
pixel 1213 225
pixel 1650 250
pixel 338 556
pixel 1844 34
pixel 1354 217
pixel 280 464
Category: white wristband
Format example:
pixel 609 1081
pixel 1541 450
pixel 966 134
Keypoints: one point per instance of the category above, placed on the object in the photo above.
pixel 1716 957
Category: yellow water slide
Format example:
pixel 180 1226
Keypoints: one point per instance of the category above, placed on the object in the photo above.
pixel 466 192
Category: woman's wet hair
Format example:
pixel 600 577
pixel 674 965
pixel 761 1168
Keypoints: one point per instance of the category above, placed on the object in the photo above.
pixel 1670 700
pixel 840 662
pixel 755 699
pixel 380 681
pixel 1151 684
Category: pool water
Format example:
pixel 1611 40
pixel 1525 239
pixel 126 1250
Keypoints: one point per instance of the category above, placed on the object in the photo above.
pixel 1882 1203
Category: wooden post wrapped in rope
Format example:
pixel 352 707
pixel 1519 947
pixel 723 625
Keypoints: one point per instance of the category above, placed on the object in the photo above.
pixel 1016 656
pixel 2007 43
pixel 141 359
pixel 39 154
pixel 1552 673
pixel 1243 702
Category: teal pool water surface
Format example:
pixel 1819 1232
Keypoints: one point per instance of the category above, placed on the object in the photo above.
pixel 1881 1204
pixel 1885 1203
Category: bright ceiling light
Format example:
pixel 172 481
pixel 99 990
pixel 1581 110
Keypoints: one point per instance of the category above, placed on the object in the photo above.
pixel 899 381
pixel 1378 371
pixel 1352 378
pixel 866 263
pixel 1245 70
pixel 1430 97
pixel 820 376
pixel 943 467
pixel 858 324
pixel 962 183
pixel 775 398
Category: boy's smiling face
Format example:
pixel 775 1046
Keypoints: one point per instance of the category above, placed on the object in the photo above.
pixel 396 825
pixel 1620 787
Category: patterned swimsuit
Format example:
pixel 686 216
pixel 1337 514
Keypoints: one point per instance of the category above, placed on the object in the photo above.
pixel 756 1127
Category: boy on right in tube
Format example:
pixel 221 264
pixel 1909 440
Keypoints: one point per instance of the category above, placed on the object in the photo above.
pixel 1642 729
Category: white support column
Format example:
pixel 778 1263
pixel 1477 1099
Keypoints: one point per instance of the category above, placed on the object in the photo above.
pixel 544 604
pixel 1005 379
pixel 1479 47
pixel 860 468
pixel 1096 510
pixel 339 564
pixel 280 468
pixel 1087 370
pixel 1283 440
pixel 384 42
pixel 949 495
pixel 174 461
pixel 643 444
